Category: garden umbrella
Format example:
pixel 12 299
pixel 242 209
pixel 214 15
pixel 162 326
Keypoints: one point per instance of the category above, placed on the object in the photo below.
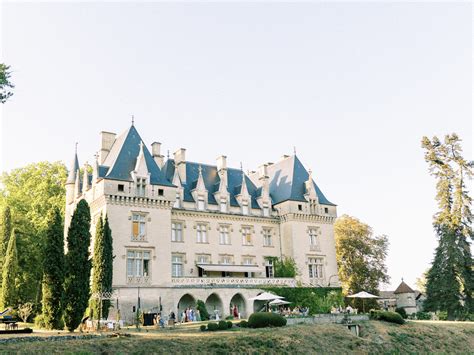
pixel 363 295
pixel 278 302
pixel 266 296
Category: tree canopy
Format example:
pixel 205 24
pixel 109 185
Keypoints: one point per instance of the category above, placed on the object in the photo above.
pixel 360 256
pixel 5 83
pixel 30 192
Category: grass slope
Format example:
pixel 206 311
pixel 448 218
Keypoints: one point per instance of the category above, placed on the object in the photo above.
pixel 376 337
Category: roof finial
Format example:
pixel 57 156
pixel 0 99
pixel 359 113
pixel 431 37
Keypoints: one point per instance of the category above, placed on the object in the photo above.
pixel 241 168
pixel 168 154
pixel 133 120
pixel 75 149
pixel 294 150
pixel 200 169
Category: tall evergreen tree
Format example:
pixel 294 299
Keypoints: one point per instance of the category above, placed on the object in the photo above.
pixel 77 266
pixel 53 272
pixel 450 279
pixel 5 236
pixel 102 267
pixel 9 295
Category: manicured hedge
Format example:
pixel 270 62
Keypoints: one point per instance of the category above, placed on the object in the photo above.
pixel 222 325
pixel 212 326
pixel 202 327
pixel 243 324
pixel 266 319
pixel 392 317
pixel 402 312
pixel 229 324
pixel 423 316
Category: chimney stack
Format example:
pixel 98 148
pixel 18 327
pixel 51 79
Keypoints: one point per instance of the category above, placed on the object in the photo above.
pixel 156 152
pixel 106 141
pixel 221 163
pixel 180 163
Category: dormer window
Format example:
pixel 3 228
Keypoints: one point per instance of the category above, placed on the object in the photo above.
pixel 266 211
pixel 177 202
pixel 245 208
pixel 141 186
pixel 200 204
pixel 223 206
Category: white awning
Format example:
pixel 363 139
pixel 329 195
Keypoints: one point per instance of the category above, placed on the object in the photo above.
pixel 230 268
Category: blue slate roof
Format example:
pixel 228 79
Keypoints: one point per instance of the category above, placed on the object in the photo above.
pixel 211 181
pixel 123 156
pixel 287 182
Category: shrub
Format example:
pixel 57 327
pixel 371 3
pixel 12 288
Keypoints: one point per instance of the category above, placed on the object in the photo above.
pixel 222 325
pixel 202 327
pixel 202 310
pixel 212 326
pixel 229 318
pixel 39 321
pixel 392 317
pixel 402 312
pixel 243 324
pixel 229 324
pixel 423 316
pixel 264 319
pixel 443 315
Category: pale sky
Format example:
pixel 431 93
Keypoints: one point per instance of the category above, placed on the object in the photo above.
pixel 354 86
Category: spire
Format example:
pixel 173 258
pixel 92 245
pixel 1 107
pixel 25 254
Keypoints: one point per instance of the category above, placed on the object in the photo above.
pixel 77 185
pixel 244 191
pixel 200 187
pixel 71 178
pixel 141 168
pixel 176 179
pixel 133 120
pixel 95 168
pixel 85 178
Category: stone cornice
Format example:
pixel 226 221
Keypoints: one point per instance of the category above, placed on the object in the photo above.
pixel 138 202
pixel 222 216
pixel 303 217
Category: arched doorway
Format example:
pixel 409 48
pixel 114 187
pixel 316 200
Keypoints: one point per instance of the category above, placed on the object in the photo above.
pixel 184 302
pixel 214 306
pixel 238 301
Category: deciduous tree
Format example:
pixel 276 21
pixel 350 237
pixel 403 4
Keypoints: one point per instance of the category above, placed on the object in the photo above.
pixel 360 256
pixel 78 267
pixel 5 83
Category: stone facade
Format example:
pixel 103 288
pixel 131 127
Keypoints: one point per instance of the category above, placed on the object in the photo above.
pixel 185 231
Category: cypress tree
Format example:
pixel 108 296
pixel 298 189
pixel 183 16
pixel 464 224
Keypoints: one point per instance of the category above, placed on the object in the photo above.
pixel 8 295
pixel 77 266
pixel 53 272
pixel 6 232
pixel 102 267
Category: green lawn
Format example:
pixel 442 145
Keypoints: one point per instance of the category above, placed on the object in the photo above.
pixel 376 337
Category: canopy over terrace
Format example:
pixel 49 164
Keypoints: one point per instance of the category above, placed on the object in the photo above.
pixel 230 268
pixel 363 295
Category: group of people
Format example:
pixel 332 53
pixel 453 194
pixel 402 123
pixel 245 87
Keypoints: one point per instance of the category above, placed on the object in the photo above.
pixel 297 311
pixel 339 309
pixel 190 315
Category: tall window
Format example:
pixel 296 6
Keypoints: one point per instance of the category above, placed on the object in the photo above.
pixel 245 208
pixel 138 263
pixel 269 268
pixel 313 239
pixel 203 259
pixel 201 204
pixel 315 266
pixel 176 232
pixel 226 259
pixel 224 235
pixel 176 265
pixel 248 260
pixel 267 237
pixel 138 227
pixel 201 233
pixel 246 236
pixel 141 187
